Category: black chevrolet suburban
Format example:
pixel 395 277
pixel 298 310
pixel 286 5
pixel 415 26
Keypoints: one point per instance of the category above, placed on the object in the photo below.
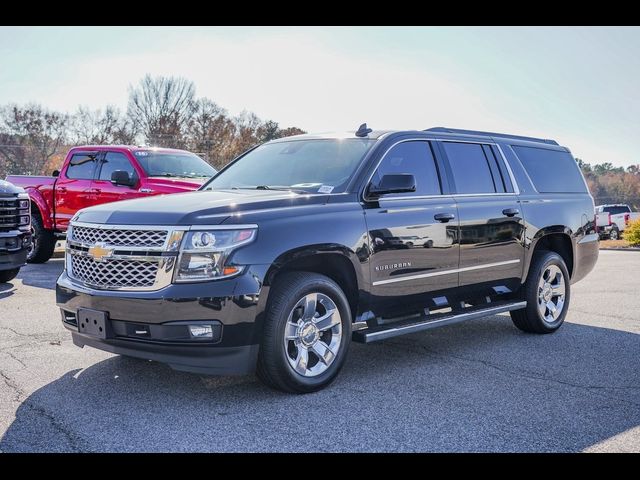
pixel 15 230
pixel 303 244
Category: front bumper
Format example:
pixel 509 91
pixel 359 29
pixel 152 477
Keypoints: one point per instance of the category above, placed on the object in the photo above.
pixel 13 249
pixel 154 324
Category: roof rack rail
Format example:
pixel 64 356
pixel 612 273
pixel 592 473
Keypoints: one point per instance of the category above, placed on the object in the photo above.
pixel 490 134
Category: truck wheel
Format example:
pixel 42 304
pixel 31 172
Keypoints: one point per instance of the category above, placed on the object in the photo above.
pixel 8 275
pixel 307 332
pixel 614 234
pixel 547 292
pixel 43 242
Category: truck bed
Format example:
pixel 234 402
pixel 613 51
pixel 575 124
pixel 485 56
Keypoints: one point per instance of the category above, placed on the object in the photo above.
pixel 30 181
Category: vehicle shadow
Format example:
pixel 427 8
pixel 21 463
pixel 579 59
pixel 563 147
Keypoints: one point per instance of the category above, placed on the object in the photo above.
pixel 480 386
pixel 42 275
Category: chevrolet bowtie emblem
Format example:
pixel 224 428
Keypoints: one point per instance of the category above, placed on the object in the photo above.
pixel 99 252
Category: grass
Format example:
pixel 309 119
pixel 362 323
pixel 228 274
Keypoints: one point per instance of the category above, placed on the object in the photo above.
pixel 614 244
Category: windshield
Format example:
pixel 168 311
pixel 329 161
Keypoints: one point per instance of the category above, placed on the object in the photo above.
pixel 174 164
pixel 322 166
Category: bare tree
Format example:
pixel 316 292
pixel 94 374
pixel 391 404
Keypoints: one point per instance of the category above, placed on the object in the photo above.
pixel 211 132
pixel 101 127
pixel 161 108
pixel 30 136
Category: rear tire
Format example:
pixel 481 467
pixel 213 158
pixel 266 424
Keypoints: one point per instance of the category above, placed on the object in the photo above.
pixel 307 332
pixel 43 242
pixel 614 234
pixel 8 275
pixel 547 292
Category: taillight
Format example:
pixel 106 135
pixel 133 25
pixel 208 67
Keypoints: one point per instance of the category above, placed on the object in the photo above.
pixel 609 219
pixel 626 218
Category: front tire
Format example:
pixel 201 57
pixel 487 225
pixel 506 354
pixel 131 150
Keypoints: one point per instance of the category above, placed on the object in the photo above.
pixel 8 275
pixel 43 242
pixel 547 292
pixel 307 333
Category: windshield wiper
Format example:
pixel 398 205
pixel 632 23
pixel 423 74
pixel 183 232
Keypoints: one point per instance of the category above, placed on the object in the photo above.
pixel 270 187
pixel 177 175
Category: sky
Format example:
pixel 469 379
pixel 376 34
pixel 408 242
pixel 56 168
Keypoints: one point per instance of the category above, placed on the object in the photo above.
pixel 577 85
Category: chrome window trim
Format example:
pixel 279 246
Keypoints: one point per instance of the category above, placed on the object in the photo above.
pixel 444 272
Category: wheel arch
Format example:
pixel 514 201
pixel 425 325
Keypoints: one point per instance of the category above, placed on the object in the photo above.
pixel 40 207
pixel 556 239
pixel 334 261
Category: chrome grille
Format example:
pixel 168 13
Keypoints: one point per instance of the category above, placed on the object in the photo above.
pixel 8 213
pixel 119 238
pixel 114 273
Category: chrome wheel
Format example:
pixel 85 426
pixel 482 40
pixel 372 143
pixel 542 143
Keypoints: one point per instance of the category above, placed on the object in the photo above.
pixel 313 334
pixel 551 293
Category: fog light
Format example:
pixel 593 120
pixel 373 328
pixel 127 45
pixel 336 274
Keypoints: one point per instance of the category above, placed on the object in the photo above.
pixel 201 331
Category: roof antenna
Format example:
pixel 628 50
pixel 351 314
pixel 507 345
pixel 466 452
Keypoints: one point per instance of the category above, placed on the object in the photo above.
pixel 363 131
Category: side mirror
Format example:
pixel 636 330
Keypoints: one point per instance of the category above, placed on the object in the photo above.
pixel 393 183
pixel 55 173
pixel 120 177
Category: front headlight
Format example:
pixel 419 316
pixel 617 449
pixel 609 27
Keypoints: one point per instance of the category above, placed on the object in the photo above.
pixel 204 254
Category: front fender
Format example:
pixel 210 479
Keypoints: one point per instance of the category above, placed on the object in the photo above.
pixel 41 204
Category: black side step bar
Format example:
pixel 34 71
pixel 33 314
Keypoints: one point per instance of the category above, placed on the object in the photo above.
pixel 426 322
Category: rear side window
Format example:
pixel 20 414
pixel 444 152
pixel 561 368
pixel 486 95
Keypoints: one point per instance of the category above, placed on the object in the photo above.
pixel 616 210
pixel 470 167
pixel 415 158
pixel 551 171
pixel 81 166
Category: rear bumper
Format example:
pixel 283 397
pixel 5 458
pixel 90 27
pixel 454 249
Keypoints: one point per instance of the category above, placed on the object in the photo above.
pixel 587 251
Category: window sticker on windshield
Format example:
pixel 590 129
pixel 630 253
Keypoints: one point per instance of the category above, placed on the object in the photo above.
pixel 141 154
pixel 325 189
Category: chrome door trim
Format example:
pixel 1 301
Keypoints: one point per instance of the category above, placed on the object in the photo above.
pixel 445 272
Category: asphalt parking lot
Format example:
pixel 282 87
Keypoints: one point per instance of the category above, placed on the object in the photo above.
pixel 480 386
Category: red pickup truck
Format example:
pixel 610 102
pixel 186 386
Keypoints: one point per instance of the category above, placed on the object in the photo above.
pixel 91 175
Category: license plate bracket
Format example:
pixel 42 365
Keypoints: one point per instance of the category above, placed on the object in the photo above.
pixel 93 322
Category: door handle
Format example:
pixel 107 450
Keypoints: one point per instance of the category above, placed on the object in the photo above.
pixel 510 212
pixel 444 217
pixel 62 189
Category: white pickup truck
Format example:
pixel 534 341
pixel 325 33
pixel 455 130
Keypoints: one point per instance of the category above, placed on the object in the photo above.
pixel 611 220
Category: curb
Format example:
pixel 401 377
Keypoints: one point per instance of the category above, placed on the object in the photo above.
pixel 627 249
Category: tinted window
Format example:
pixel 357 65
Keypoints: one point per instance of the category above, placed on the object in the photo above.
pixel 415 158
pixel 551 171
pixel 81 166
pixel 470 168
pixel 616 210
pixel 503 170
pixel 173 164
pixel 115 161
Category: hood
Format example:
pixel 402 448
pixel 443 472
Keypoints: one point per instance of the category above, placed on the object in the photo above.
pixel 7 188
pixel 174 185
pixel 194 208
